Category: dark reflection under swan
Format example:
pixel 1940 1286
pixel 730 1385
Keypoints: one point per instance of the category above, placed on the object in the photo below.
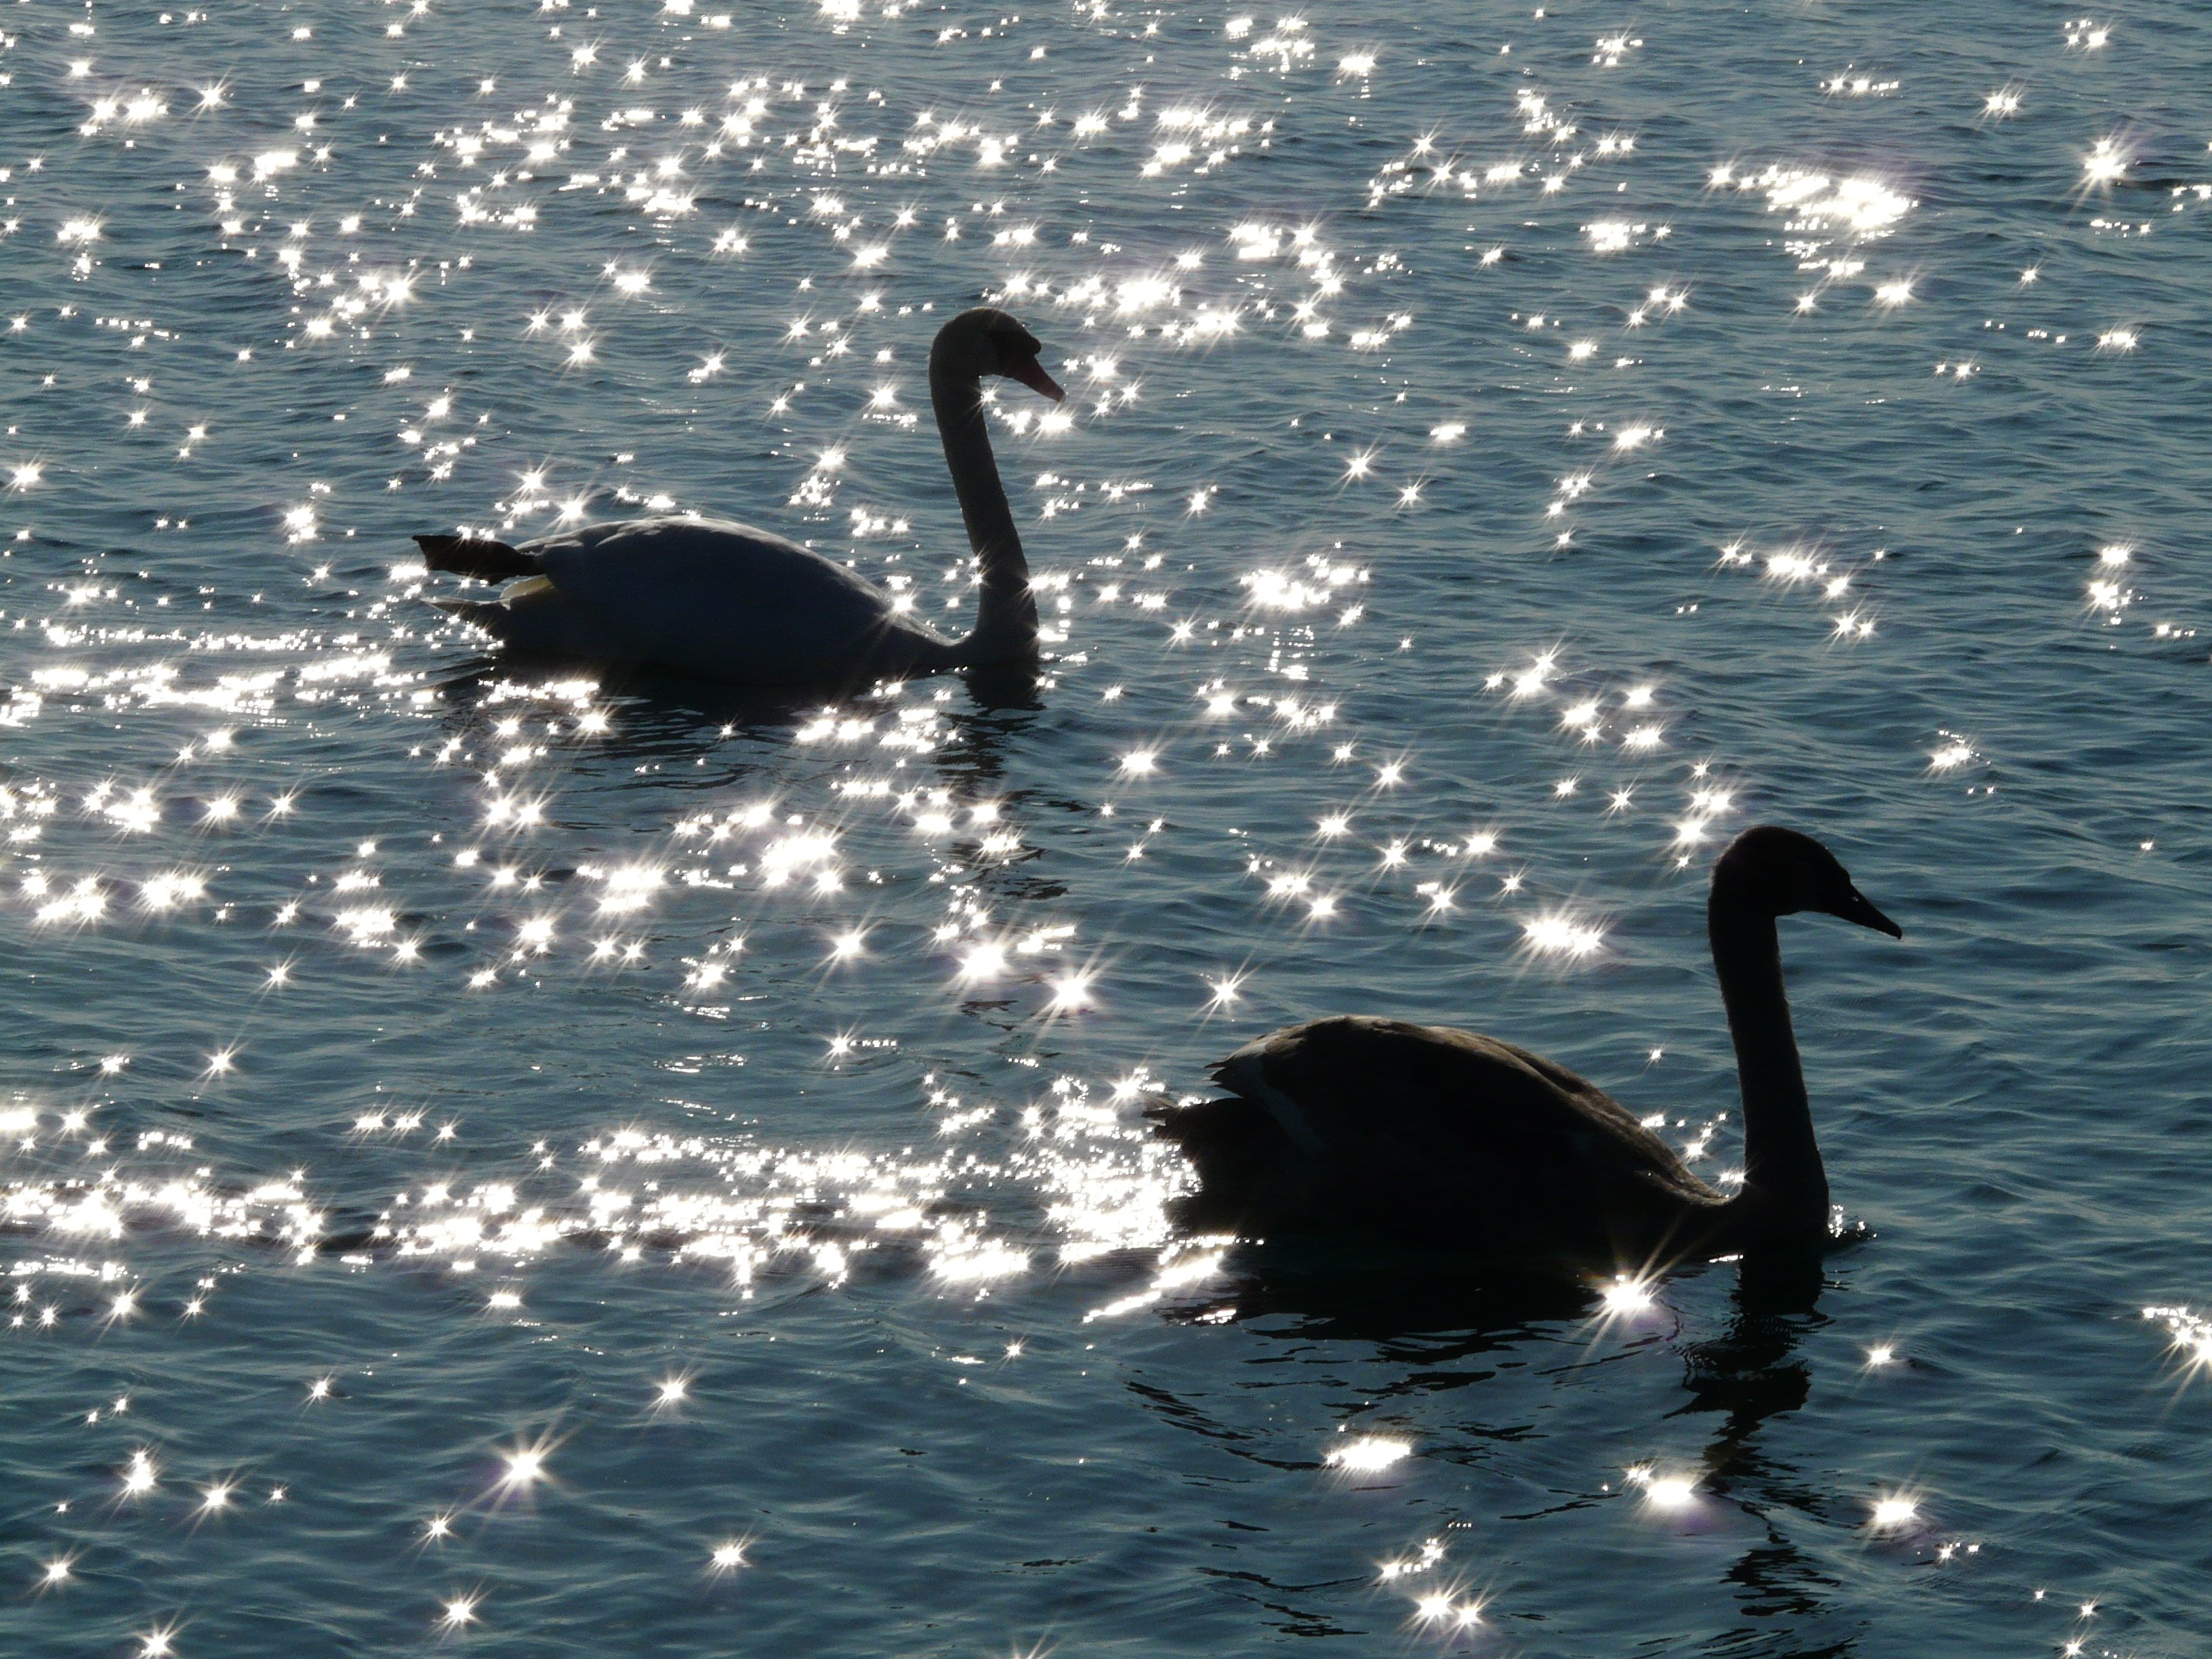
pixel 1413 1326
pixel 1749 1374
pixel 644 716
pixel 675 705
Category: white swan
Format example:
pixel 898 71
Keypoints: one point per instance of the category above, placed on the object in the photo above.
pixel 727 602
pixel 1444 1138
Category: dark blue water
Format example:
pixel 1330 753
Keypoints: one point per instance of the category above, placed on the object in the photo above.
pixel 537 1168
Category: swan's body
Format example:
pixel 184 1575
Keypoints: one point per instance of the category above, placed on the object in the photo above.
pixel 1443 1138
pixel 725 601
pixel 703 596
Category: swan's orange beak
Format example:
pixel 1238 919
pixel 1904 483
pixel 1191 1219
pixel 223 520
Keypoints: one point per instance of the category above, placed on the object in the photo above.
pixel 1030 372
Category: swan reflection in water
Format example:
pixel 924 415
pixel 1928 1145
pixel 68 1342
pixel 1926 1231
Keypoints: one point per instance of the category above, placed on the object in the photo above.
pixel 663 714
pixel 1458 1342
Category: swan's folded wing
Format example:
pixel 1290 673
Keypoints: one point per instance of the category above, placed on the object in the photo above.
pixel 1365 1090
pixel 706 592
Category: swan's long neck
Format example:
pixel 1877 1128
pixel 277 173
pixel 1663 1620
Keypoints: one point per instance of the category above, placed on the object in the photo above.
pixel 1782 1177
pixel 1006 618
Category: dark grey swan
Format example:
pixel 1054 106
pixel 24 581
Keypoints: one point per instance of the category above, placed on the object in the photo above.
pixel 1443 1138
pixel 726 602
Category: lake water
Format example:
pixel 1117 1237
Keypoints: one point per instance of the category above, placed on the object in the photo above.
pixel 512 1166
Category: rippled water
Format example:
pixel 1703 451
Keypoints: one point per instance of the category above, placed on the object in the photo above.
pixel 544 1167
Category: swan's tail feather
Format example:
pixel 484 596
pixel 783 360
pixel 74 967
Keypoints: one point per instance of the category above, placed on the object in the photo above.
pixel 1248 1175
pixel 479 556
pixel 1226 1138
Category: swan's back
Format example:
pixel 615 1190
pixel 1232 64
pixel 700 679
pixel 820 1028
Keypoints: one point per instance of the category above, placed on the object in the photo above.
pixel 1453 1138
pixel 710 597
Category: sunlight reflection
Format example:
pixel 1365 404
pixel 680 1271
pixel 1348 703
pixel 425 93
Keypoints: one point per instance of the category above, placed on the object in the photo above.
pixel 1369 1454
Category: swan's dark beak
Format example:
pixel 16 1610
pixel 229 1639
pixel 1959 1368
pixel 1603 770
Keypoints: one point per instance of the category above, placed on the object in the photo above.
pixel 1857 908
pixel 1030 372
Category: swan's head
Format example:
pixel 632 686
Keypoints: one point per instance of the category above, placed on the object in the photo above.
pixel 1782 872
pixel 986 341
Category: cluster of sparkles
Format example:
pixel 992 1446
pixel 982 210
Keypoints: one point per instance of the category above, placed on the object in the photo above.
pixel 740 1211
pixel 69 1181
pixel 1798 567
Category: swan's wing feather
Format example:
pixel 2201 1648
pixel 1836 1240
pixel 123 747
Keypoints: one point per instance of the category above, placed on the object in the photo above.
pixel 475 556
pixel 1350 1071
pixel 710 596
pixel 1484 1134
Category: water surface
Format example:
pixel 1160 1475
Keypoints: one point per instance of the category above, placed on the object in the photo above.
pixel 506 1163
